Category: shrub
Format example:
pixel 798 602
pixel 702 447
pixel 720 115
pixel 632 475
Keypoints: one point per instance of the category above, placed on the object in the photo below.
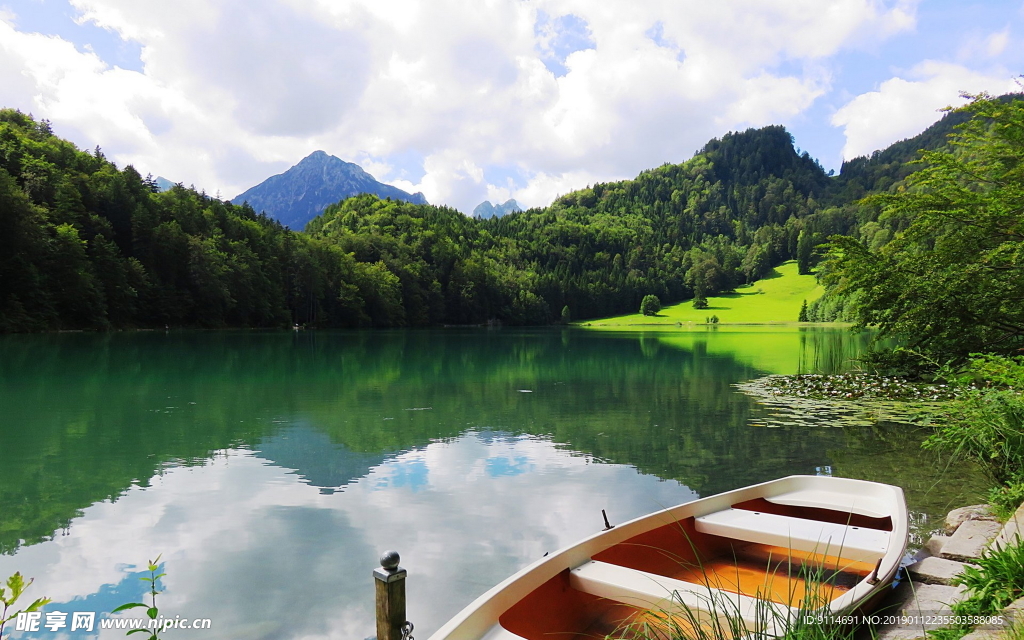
pixel 650 305
pixel 987 424
pixel 700 302
pixel 994 371
pixel 988 427
pixel 1006 499
pixel 899 362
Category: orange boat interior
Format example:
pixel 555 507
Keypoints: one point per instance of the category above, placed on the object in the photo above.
pixel 557 611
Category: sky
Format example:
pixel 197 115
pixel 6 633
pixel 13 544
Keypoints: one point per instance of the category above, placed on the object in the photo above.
pixel 472 100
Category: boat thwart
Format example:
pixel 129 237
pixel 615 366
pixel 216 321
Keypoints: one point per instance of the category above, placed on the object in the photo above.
pixel 751 560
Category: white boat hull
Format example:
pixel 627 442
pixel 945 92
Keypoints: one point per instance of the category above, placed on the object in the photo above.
pixel 868 528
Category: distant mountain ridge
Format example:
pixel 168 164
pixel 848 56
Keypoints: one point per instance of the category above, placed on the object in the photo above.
pixel 302 192
pixel 486 210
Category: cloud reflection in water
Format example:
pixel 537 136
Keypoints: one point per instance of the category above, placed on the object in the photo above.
pixel 265 553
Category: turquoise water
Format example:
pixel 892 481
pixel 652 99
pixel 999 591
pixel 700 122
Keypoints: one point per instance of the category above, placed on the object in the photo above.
pixel 271 469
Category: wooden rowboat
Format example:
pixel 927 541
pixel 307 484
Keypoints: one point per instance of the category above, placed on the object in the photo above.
pixel 741 563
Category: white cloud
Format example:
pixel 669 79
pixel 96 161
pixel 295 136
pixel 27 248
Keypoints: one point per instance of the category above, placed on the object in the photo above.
pixel 996 43
pixel 232 92
pixel 449 176
pixel 902 108
pixel 543 188
pixel 766 99
pixel 979 45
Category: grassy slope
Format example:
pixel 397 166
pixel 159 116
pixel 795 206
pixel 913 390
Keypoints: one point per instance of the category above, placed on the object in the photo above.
pixel 783 293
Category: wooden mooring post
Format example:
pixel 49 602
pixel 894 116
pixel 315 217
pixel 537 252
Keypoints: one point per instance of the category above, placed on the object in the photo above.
pixel 390 589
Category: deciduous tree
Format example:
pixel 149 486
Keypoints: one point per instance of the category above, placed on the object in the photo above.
pixel 952 282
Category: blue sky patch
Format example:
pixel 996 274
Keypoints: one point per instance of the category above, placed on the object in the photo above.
pixel 108 598
pixel 411 474
pixel 505 466
pixel 560 37
pixel 406 164
pixel 57 18
pixel 657 35
pixel 508 176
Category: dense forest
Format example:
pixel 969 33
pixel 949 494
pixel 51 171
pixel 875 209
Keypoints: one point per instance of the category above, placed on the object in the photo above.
pixel 85 245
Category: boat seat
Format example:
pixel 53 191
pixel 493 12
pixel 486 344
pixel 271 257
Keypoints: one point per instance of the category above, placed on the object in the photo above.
pixel 800 534
pixel 833 500
pixel 498 632
pixel 647 590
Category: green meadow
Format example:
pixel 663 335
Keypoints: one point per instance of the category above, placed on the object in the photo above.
pixel 775 298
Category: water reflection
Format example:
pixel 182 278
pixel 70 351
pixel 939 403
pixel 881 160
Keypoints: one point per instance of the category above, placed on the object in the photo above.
pixel 265 556
pixel 315 459
pixel 270 469
pixel 785 349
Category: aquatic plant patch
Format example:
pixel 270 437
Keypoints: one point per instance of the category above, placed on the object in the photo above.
pixel 844 400
pixel 849 386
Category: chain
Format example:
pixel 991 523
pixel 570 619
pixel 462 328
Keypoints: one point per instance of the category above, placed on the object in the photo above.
pixel 407 631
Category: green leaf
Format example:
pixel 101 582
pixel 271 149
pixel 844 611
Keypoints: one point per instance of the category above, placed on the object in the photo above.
pixel 130 605
pixel 40 602
pixel 152 612
pixel 158 576
pixel 137 631
pixel 17 585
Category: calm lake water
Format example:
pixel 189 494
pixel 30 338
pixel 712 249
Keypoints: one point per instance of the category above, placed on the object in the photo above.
pixel 271 469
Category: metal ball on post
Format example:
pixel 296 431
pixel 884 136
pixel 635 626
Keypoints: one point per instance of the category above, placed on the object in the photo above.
pixel 390 589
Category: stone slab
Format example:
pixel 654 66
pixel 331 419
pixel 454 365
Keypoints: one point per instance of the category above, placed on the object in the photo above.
pixel 1013 530
pixel 932 570
pixel 956 517
pixel 970 540
pixel 896 632
pixel 915 599
pixel 935 544
pixel 1015 611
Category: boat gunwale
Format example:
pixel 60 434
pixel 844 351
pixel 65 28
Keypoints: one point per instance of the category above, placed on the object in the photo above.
pixel 479 617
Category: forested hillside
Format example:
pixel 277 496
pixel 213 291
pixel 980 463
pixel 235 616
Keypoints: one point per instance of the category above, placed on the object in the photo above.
pixel 85 245
pixel 883 172
pixel 950 282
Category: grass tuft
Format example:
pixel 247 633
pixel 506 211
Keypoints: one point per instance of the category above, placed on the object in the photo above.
pixel 809 585
pixel 996 581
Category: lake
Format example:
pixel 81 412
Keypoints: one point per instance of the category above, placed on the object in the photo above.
pixel 270 469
